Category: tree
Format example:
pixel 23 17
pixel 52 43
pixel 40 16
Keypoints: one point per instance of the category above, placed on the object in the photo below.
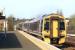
pixel 71 28
pixel 10 24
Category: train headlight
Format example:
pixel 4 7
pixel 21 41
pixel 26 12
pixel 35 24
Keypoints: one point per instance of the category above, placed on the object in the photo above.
pixel 62 35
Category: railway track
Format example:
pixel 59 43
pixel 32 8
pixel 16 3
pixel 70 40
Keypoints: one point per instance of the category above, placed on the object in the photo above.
pixel 67 46
pixel 70 42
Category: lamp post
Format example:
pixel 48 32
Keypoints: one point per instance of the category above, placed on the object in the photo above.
pixel 5 27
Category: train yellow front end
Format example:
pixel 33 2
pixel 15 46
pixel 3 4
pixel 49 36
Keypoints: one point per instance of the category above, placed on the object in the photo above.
pixel 54 29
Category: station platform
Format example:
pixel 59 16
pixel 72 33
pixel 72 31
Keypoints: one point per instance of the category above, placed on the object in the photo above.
pixel 19 40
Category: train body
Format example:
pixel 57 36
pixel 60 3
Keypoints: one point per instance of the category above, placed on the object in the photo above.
pixel 52 28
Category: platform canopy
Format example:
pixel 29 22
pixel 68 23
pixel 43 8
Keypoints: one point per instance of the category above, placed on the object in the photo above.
pixel 1 15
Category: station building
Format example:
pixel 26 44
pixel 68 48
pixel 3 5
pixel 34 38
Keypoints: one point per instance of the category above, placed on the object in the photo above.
pixel 2 22
pixel 5 24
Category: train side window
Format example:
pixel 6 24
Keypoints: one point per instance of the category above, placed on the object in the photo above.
pixel 46 26
pixel 24 25
pixel 62 26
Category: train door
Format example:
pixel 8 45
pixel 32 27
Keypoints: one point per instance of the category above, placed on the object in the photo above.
pixel 54 31
pixel 55 28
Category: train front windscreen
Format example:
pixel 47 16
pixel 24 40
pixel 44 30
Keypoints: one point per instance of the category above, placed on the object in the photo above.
pixel 61 26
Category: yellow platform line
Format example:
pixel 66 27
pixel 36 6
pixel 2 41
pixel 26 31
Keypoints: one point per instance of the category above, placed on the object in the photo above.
pixel 41 44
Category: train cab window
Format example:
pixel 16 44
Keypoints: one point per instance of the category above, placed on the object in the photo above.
pixel 46 26
pixel 61 25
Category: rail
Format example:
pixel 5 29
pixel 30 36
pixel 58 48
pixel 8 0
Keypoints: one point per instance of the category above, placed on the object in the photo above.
pixel 70 35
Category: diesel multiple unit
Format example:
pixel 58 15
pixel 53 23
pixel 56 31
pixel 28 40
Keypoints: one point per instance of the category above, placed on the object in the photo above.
pixel 52 28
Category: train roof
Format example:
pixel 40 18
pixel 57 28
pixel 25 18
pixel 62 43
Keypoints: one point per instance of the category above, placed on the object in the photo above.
pixel 36 19
pixel 27 21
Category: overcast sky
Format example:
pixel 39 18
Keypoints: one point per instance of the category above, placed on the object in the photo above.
pixel 34 8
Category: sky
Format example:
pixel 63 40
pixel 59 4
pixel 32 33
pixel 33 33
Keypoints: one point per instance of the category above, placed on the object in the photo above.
pixel 34 8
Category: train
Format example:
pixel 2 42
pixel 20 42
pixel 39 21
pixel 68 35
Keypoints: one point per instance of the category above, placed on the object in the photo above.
pixel 52 28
